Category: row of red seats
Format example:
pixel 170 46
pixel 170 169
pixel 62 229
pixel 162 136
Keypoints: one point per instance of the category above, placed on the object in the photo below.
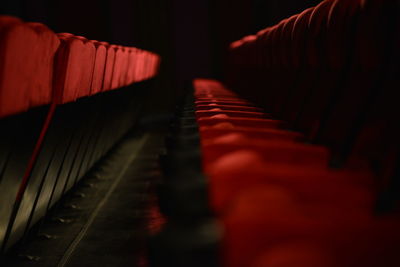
pixel 320 66
pixel 46 151
pixel 299 153
pixel 39 67
pixel 278 200
pixel 326 77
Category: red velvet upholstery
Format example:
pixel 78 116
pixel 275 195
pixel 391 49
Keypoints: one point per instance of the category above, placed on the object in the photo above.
pixel 273 193
pixel 132 61
pixel 118 64
pixel 154 62
pixel 272 151
pixel 241 169
pixel 109 68
pixel 300 32
pixel 42 82
pixel 335 52
pixel 139 71
pixel 227 107
pixel 216 111
pixel 239 121
pixel 265 217
pixel 208 132
pixel 124 67
pixel 26 65
pixel 74 68
pixel 99 67
pixel 61 69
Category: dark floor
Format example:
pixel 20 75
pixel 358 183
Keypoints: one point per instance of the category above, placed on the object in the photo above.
pixel 105 221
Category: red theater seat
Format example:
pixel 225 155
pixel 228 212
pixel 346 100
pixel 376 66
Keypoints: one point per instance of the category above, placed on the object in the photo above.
pixel 99 67
pixel 124 67
pixel 236 171
pixel 211 132
pixel 239 121
pixel 139 71
pixel 237 102
pixel 74 68
pixel 217 111
pixel 42 82
pixel 300 32
pixel 26 65
pixel 130 76
pixel 146 65
pixel 155 61
pixel 284 79
pixel 118 67
pixel 275 151
pixel 264 217
pixel 109 68
pixel 46 151
pixel 313 61
pixel 372 51
pixel 228 107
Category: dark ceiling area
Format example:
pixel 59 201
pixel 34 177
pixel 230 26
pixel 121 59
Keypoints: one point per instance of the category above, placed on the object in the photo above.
pixel 191 36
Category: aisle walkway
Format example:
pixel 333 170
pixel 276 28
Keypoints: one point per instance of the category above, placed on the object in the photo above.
pixel 103 222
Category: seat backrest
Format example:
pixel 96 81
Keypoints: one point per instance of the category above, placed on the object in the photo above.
pixel 109 68
pixel 74 68
pixel 334 50
pixel 373 53
pixel 99 67
pixel 27 52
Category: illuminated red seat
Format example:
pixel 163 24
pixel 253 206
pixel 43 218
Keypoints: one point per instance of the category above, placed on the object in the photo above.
pixel 154 64
pixel 224 104
pixel 109 67
pixel 139 71
pixel 217 111
pixel 206 90
pixel 263 217
pixel 124 67
pixel 239 121
pixel 272 151
pixel 130 75
pixel 311 181
pixel 118 65
pixel 227 107
pixel 208 86
pixel 99 67
pixel 26 65
pixel 74 68
pixel 217 95
pixel 211 132
pixel 237 102
pixel 147 67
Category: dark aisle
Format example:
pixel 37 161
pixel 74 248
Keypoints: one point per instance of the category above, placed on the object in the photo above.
pixel 104 221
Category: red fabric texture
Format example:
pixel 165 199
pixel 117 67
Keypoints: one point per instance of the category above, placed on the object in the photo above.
pixel 276 196
pixel 26 65
pixel 99 67
pixel 74 68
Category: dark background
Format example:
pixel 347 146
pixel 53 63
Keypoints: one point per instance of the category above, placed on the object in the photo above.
pixel 190 35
